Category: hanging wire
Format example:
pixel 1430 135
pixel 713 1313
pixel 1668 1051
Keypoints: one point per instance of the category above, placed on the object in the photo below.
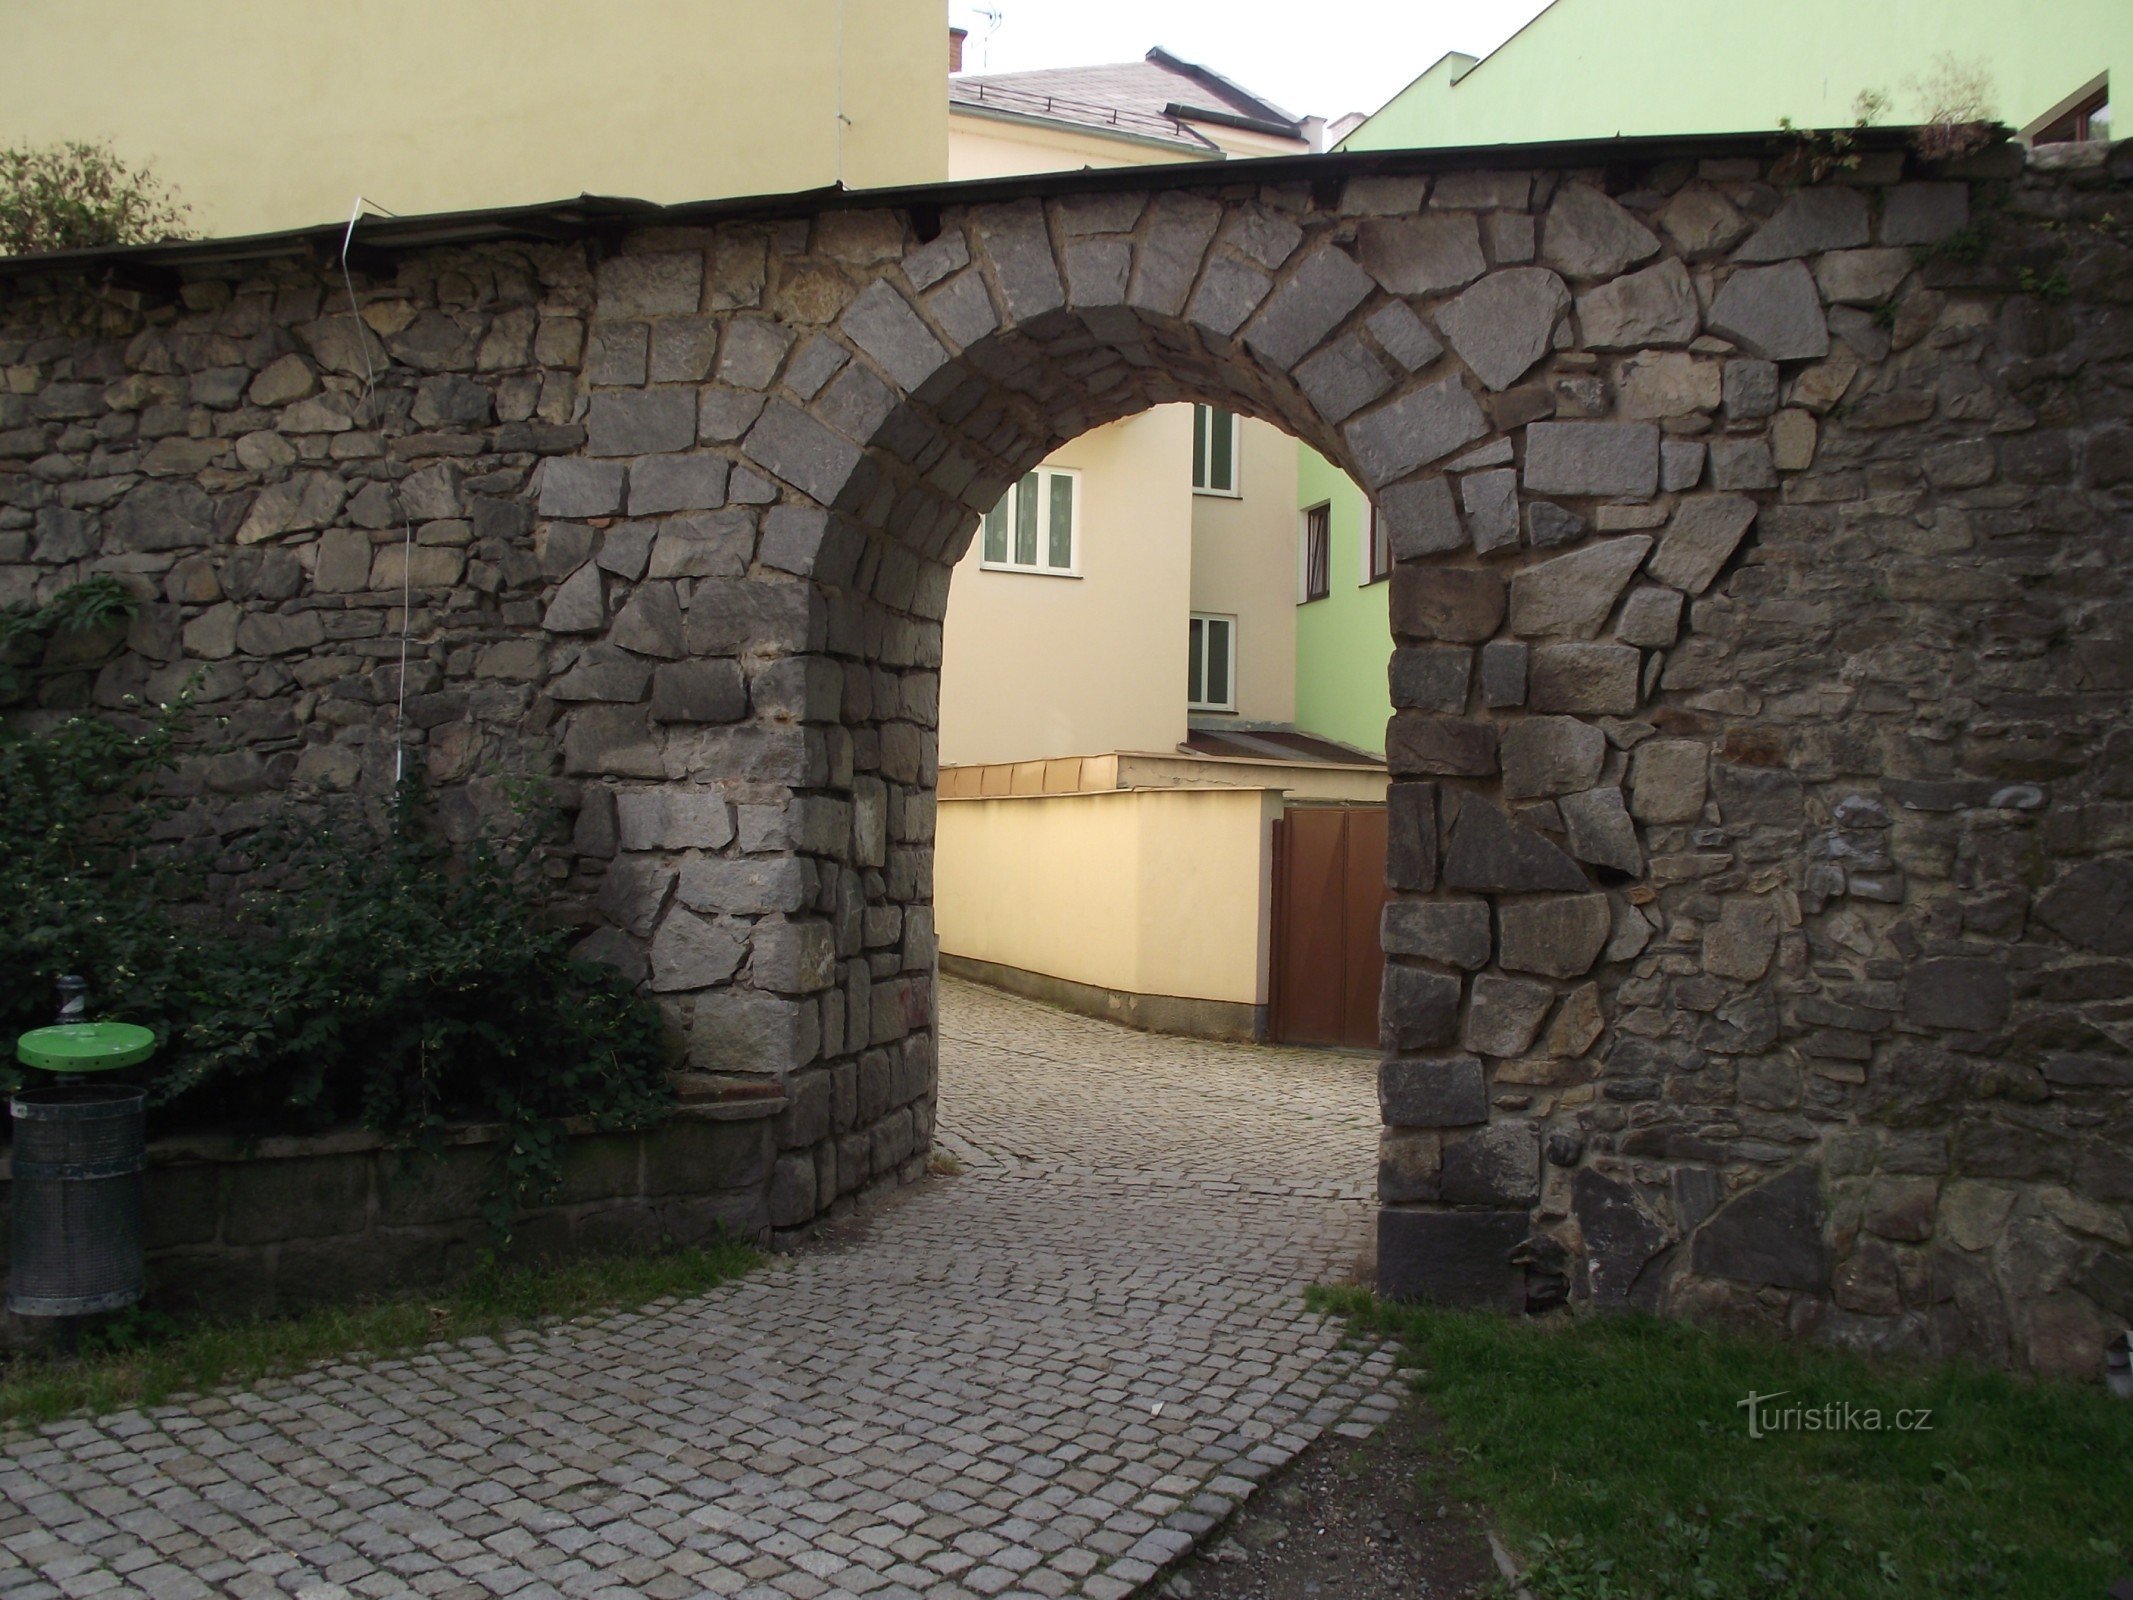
pixel 407 524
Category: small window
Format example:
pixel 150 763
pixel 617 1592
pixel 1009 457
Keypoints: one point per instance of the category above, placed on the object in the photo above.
pixel 1211 669
pixel 2090 119
pixel 1377 547
pixel 1313 578
pixel 1214 450
pixel 1036 527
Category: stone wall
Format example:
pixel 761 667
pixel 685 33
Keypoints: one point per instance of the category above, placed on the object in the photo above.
pixel 1759 839
pixel 254 1227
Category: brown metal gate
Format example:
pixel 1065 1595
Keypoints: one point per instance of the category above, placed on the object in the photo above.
pixel 1329 887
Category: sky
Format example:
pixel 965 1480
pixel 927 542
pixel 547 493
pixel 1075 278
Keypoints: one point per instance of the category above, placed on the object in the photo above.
pixel 1320 59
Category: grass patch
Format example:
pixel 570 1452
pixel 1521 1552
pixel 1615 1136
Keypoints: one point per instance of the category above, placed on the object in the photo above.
pixel 141 1358
pixel 1614 1453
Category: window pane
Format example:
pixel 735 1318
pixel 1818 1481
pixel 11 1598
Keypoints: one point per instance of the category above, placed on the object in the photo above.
pixel 1061 553
pixel 1217 663
pixel 1026 521
pixel 995 546
pixel 1192 662
pixel 1221 450
pixel 1199 447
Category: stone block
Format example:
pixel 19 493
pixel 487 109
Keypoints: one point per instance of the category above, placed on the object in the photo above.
pixel 1654 307
pixel 1407 1166
pixel 1505 323
pixel 792 445
pixel 1424 425
pixel 1751 389
pixel 1460 1258
pixel 1666 780
pixel 792 957
pixel 2091 906
pixel 1586 235
pixel 1492 854
pixel 1700 538
pixel 1459 605
pixel 1680 463
pixel 1965 995
pixel 1503 673
pixel 1431 678
pixel 1422 255
pixel 1594 679
pixel 1495 1166
pixel 1512 237
pixel 1651 617
pixel 572 487
pixel 1599 830
pixel 1740 944
pixel 1015 238
pixel 1505 1015
pixel 1423 744
pixel 692 952
pixel 748 885
pixel 882 324
pixel 1316 297
pixel 1812 220
pixel 640 422
pixel 305 1197
pixel 664 283
pixel 1454 932
pixel 650 624
pixel 1420 518
pixel 1572 596
pixel 1549 756
pixel 1742 464
pixel 1702 222
pixel 715 544
pixel 1411 836
pixel 1774 312
pixel 673 818
pixel 1403 336
pixel 1618 1235
pixel 1448 1093
pixel 1342 378
pixel 1616 459
pixel 1418 1010
pixel 1862 277
pixel 1924 213
pixel 1558 937
pixel 1658 384
pixel 745 1030
pixel 1771 1235
pixel 1491 501
pixel 699 691
pixel 792 1191
pixel 678 483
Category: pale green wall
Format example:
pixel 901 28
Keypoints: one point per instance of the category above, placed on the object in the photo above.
pixel 1590 69
pixel 1343 640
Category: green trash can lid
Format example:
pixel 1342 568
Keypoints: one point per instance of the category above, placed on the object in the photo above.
pixel 85 1046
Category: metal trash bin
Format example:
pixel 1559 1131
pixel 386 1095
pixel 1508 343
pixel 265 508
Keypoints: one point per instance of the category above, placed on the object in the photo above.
pixel 74 1224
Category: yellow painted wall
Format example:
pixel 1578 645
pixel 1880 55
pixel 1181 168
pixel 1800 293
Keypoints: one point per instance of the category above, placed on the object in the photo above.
pixel 1034 665
pixel 1244 565
pixel 272 114
pixel 995 147
pixel 1145 891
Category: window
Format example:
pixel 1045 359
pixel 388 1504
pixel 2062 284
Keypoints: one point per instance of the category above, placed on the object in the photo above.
pixel 1211 670
pixel 1377 547
pixel 2089 118
pixel 1313 580
pixel 1214 450
pixel 1036 527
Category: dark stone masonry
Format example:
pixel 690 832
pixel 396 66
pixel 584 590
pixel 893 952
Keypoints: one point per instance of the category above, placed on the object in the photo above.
pixel 1763 823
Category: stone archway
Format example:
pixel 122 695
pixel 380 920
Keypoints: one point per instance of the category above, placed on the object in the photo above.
pixel 1746 717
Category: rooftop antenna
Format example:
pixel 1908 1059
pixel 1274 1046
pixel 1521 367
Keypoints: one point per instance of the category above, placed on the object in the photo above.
pixel 993 16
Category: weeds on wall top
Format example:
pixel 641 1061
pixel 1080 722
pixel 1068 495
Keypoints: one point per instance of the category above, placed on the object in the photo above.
pixel 79 196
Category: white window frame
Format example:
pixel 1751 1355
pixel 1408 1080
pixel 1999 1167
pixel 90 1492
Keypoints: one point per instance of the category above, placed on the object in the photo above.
pixel 1368 550
pixel 1235 490
pixel 1229 633
pixel 1304 596
pixel 1045 477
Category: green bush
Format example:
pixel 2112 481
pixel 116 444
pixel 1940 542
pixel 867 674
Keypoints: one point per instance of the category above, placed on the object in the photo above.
pixel 391 979
pixel 77 196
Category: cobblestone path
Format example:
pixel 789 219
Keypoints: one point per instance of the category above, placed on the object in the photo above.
pixel 1044 1376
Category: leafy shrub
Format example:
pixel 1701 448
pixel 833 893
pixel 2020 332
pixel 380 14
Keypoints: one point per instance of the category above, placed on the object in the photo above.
pixel 80 617
pixel 77 196
pixel 390 980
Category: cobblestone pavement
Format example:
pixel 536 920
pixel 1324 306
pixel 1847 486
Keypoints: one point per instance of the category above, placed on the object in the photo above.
pixel 1042 1377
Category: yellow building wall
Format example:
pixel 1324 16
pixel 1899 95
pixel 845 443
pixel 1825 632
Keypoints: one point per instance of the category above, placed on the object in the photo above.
pixel 1244 566
pixel 1034 665
pixel 995 147
pixel 269 114
pixel 1142 891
